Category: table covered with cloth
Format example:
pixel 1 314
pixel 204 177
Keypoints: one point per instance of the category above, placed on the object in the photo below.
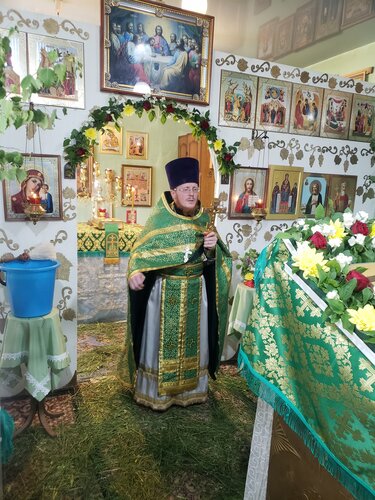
pixel 102 288
pixel 317 378
pixel 38 345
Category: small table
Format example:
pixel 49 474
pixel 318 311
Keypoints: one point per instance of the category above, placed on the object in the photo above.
pixel 102 288
pixel 34 349
pixel 238 319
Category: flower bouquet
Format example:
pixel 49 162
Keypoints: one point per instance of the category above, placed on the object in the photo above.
pixel 329 252
pixel 247 266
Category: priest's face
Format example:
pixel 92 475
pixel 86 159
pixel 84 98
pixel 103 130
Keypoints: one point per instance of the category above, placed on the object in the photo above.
pixel 185 197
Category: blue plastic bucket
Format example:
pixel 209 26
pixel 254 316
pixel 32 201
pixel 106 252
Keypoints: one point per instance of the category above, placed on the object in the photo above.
pixel 31 285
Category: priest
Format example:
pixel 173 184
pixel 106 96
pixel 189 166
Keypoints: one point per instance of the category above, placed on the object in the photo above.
pixel 179 275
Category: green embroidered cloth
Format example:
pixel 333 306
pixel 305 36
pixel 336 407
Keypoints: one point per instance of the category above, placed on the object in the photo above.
pixel 91 241
pixel 40 345
pixel 313 375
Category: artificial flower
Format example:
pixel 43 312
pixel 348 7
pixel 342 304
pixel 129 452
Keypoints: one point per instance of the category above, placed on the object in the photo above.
pixel 362 280
pixel 343 259
pixel 332 295
pixel 348 219
pixel 90 133
pixel 318 240
pixel 363 318
pixel 249 276
pixel 128 110
pixel 358 239
pixel 359 228
pixel 362 216
pixel 338 229
pixel 147 105
pixel 372 232
pixel 334 242
pixel 169 108
pixel 307 259
pixel 205 125
pixel 218 144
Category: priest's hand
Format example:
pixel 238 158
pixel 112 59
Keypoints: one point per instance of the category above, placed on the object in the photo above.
pixel 136 282
pixel 209 240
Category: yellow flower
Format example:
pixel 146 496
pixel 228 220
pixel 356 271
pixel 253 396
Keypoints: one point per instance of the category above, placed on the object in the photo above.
pixel 307 259
pixel 249 276
pixel 128 110
pixel 372 233
pixel 338 230
pixel 90 133
pixel 363 318
pixel 218 144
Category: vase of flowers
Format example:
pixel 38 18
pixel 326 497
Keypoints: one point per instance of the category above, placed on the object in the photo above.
pixel 247 266
pixel 337 254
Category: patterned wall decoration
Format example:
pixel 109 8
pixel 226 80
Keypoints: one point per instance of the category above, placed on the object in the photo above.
pixel 326 155
pixel 50 25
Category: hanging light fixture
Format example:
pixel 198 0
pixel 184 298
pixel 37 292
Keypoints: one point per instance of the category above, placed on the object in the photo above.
pixel 195 5
pixel 58 6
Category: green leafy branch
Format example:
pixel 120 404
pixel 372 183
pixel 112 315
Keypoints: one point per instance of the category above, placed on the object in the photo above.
pixel 13 111
pixel 78 147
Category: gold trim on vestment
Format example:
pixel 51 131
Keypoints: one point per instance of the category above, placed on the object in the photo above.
pixel 164 405
pixel 153 374
pixel 167 230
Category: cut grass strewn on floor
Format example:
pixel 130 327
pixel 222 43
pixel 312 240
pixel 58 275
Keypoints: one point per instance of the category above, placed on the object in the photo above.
pixel 119 450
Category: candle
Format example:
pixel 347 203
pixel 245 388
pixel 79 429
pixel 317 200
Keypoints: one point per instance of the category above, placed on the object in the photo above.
pixel 259 203
pixel 102 212
pixel 34 199
pixel 133 194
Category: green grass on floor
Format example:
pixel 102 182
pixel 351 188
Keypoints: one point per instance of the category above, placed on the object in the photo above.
pixel 119 450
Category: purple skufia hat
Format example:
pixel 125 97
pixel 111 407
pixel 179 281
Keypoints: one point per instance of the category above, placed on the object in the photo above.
pixel 181 171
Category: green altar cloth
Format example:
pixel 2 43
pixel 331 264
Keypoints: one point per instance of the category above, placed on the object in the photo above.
pixel 313 375
pixel 91 241
pixel 39 344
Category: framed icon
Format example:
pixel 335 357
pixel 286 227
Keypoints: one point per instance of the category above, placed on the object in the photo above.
pixel 161 48
pixel 238 93
pixel 247 190
pixel 284 192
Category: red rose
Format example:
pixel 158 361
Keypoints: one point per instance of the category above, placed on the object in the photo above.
pixel 205 125
pixel 228 157
pixel 318 240
pixel 169 108
pixel 147 106
pixel 108 118
pixel 359 228
pixel 249 283
pixel 362 281
pixel 80 152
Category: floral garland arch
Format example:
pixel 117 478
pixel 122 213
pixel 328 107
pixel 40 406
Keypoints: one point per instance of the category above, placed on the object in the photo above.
pixel 79 146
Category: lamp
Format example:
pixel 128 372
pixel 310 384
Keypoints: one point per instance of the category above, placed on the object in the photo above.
pixel 58 6
pixel 33 209
pixel 195 5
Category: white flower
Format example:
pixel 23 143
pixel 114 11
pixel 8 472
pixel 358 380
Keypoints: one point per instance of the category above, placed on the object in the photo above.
pixel 358 239
pixel 334 242
pixel 317 228
pixel 300 222
pixel 362 216
pixel 348 219
pixel 343 259
pixel 332 295
pixel 373 242
pixel 327 230
pixel 305 227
